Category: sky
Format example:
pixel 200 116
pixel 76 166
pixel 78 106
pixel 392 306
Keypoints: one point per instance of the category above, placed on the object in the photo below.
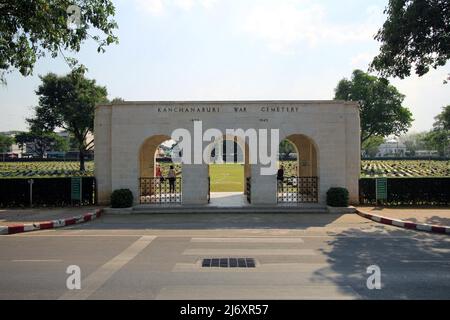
pixel 232 50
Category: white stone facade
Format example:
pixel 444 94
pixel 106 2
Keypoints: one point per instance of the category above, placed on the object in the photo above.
pixel 333 127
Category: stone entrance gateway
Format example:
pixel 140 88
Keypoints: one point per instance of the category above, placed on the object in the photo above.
pixel 325 134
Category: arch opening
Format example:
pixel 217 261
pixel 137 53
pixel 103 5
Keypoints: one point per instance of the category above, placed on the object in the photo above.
pixel 160 178
pixel 297 178
pixel 229 172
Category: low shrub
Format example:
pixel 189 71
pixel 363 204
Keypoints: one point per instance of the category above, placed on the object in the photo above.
pixel 337 197
pixel 122 198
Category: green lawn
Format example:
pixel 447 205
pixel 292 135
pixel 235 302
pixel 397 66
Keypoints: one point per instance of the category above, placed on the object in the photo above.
pixel 227 177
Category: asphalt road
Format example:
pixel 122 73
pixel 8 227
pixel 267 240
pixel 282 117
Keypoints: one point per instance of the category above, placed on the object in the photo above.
pixel 159 257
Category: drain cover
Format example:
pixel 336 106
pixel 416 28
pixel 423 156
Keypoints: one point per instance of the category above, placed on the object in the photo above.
pixel 229 263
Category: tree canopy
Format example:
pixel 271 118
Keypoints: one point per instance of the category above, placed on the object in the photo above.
pixel 5 143
pixel 382 112
pixel 68 102
pixel 42 142
pixel 30 29
pixel 416 35
pixel 439 137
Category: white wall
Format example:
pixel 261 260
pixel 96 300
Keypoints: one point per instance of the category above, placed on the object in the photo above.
pixel 120 130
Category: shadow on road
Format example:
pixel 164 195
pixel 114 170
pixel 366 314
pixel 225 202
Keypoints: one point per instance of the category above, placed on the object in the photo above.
pixel 414 265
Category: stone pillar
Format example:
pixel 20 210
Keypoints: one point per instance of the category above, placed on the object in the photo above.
pixel 264 188
pixel 102 128
pixel 195 184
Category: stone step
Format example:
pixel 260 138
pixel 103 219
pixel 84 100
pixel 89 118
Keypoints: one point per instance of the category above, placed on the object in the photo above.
pixel 143 209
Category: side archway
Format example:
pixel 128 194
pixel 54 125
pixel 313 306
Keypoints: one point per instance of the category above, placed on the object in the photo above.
pixel 307 159
pixel 147 155
pixel 300 183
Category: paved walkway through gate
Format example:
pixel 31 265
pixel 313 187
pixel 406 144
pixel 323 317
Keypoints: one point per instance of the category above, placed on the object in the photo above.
pixel 228 199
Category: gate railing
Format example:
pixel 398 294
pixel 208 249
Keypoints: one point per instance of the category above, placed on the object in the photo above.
pixel 158 190
pixel 248 189
pixel 209 189
pixel 298 190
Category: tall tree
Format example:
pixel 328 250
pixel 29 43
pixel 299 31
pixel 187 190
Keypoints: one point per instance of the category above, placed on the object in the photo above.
pixel 41 142
pixel 30 29
pixel 414 142
pixel 68 102
pixel 5 143
pixel 371 146
pixel 443 119
pixel 439 137
pixel 382 112
pixel 416 33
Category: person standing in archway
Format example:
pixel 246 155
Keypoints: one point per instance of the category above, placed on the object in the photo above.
pixel 280 178
pixel 172 178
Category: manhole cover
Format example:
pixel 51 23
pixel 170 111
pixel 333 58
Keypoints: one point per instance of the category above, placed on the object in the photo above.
pixel 229 263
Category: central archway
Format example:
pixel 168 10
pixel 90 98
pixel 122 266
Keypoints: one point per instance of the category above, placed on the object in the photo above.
pixel 229 172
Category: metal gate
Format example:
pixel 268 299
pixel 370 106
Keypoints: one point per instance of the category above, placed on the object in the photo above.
pixel 298 190
pixel 160 190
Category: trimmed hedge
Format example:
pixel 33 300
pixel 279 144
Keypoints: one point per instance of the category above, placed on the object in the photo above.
pixel 337 197
pixel 46 192
pixel 122 198
pixel 408 191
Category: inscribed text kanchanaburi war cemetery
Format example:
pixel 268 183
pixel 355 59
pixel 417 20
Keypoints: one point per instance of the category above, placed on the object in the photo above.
pixel 325 134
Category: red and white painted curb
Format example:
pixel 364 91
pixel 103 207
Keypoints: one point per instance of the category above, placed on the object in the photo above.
pixel 404 224
pixel 50 224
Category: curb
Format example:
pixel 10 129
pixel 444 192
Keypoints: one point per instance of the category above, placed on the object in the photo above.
pixel 53 224
pixel 404 224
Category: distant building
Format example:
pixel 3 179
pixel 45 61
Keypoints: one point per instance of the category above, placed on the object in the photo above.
pixel 391 148
pixel 427 153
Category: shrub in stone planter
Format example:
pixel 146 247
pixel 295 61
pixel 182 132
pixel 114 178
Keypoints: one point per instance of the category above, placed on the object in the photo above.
pixel 122 198
pixel 337 197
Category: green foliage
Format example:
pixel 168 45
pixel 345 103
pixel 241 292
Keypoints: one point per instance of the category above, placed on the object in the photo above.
pixel 121 198
pixel 443 119
pixel 414 142
pixel 382 113
pixel 68 102
pixel 438 140
pixel 42 142
pixel 416 33
pixel 439 137
pixel 117 100
pixel 286 147
pixel 30 29
pixel 5 143
pixel 371 145
pixel 337 197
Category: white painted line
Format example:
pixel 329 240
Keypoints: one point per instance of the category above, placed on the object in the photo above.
pixel 375 218
pixel 96 279
pixel 59 223
pixel 3 230
pixel 423 227
pixel 249 240
pixel 249 252
pixel 29 227
pixel 398 223
pixel 37 260
pixel 256 292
